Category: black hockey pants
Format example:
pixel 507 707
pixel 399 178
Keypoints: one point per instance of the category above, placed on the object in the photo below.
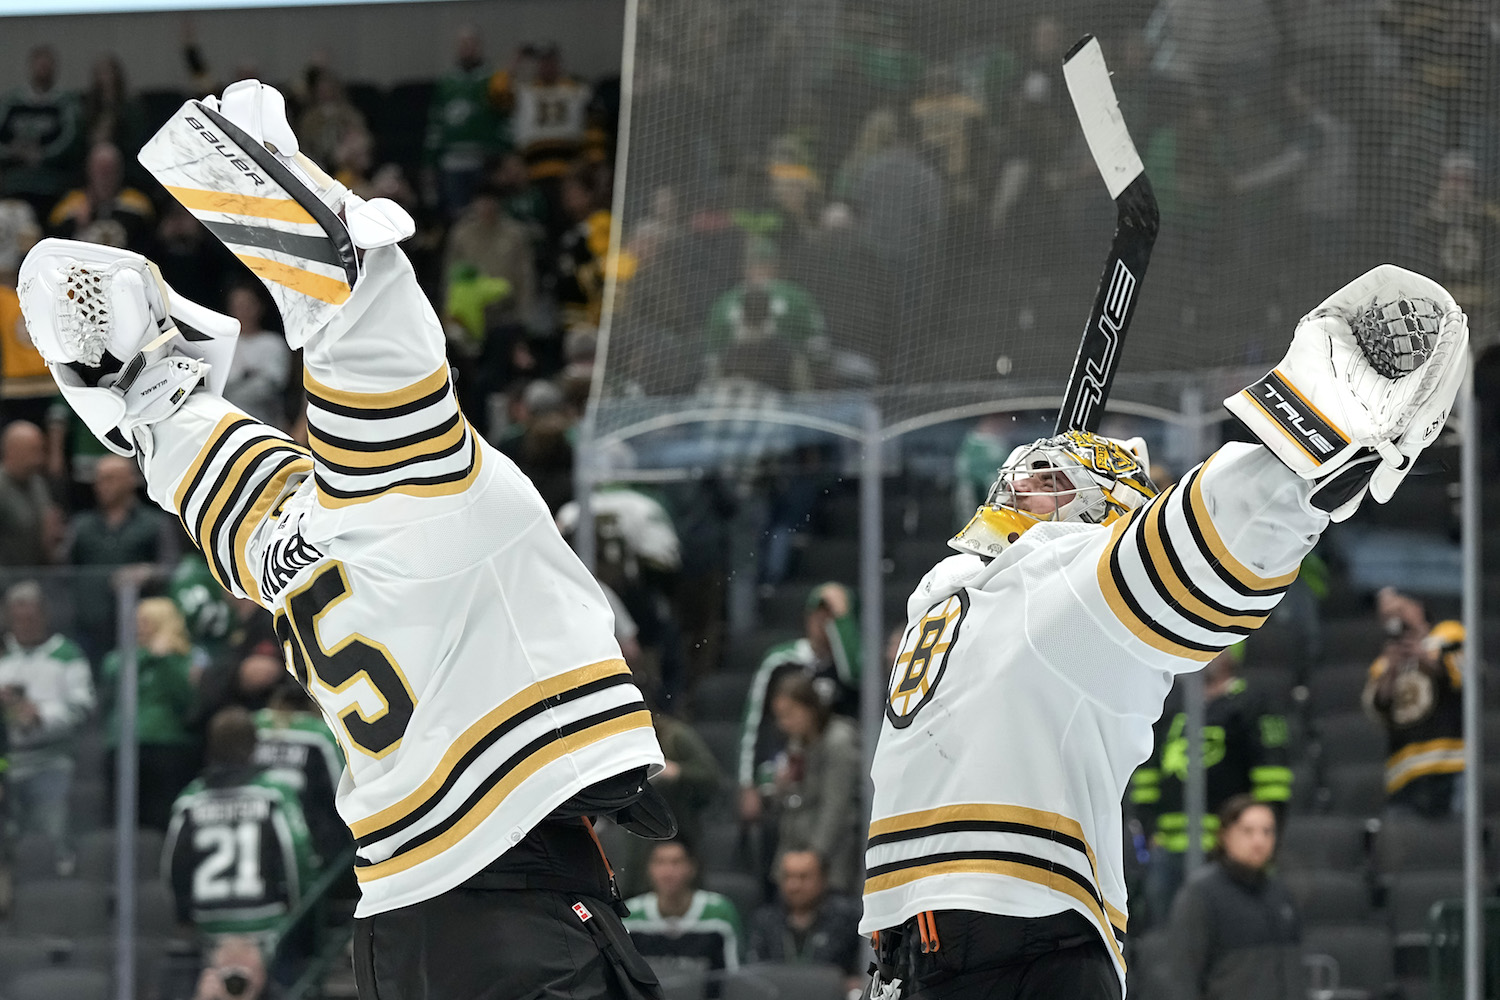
pixel 538 924
pixel 981 956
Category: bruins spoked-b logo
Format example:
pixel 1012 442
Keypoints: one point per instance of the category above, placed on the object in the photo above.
pixel 923 658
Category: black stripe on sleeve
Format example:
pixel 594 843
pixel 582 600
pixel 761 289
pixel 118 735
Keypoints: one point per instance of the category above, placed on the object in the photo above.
pixel 203 530
pixel 381 470
pixel 1196 530
pixel 451 477
pixel 1175 561
pixel 188 494
pixel 233 527
pixel 1123 586
pixel 379 412
pixel 1149 565
pixel 255 477
pixel 386 444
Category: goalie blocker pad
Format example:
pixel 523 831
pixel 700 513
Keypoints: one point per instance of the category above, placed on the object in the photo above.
pixel 272 222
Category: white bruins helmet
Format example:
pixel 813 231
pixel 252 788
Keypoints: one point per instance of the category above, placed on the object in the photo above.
pixel 1102 478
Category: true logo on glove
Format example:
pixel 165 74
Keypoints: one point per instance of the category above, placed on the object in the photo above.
pixel 1297 418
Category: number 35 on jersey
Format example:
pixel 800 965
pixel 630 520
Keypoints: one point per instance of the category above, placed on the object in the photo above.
pixel 923 659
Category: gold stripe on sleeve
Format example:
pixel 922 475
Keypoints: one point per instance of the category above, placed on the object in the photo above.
pixel 210 445
pixel 214 512
pixel 442 489
pixel 380 459
pixel 1239 570
pixel 1152 530
pixel 269 494
pixel 425 386
pixel 1142 630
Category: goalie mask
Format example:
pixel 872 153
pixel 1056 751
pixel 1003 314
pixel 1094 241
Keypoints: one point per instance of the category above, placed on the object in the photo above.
pixel 1076 476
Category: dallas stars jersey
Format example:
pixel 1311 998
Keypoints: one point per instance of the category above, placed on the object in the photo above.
pixel 462 655
pixel 297 749
pixel 707 934
pixel 237 853
pixel 1026 687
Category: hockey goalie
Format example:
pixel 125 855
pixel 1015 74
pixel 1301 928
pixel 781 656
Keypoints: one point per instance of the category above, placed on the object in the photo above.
pixel 1035 662
pixel 461 653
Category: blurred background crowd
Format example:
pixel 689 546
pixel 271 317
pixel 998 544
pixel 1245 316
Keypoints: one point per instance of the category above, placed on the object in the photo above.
pixel 782 248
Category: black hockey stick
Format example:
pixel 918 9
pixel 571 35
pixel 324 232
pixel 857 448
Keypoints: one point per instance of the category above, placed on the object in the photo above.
pixel 1136 222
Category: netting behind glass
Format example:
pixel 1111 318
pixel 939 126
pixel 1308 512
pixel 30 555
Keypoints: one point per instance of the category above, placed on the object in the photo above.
pixel 893 199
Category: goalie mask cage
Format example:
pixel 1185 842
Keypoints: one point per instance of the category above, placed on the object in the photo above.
pixel 863 224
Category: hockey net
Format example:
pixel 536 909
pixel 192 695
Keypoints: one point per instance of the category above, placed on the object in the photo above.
pixel 832 205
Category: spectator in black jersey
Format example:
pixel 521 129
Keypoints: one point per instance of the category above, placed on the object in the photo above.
pixel 118 531
pixel 1415 691
pixel 104 197
pixel 808 925
pixel 39 134
pixel 1235 934
pixel 233 820
pixel 29 521
pixel 295 747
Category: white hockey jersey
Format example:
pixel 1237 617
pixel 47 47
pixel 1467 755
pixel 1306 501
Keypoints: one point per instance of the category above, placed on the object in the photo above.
pixel 1025 691
pixel 462 655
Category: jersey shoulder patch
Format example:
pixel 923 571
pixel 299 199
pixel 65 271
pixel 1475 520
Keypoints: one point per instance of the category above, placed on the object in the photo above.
pixel 926 649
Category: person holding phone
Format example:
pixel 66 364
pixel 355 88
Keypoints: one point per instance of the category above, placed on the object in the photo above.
pixel 1415 691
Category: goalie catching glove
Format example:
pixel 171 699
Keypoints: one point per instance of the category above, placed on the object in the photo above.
pixel 124 349
pixel 1366 386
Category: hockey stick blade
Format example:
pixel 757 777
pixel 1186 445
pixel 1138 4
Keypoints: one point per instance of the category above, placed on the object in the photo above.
pixel 1136 224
